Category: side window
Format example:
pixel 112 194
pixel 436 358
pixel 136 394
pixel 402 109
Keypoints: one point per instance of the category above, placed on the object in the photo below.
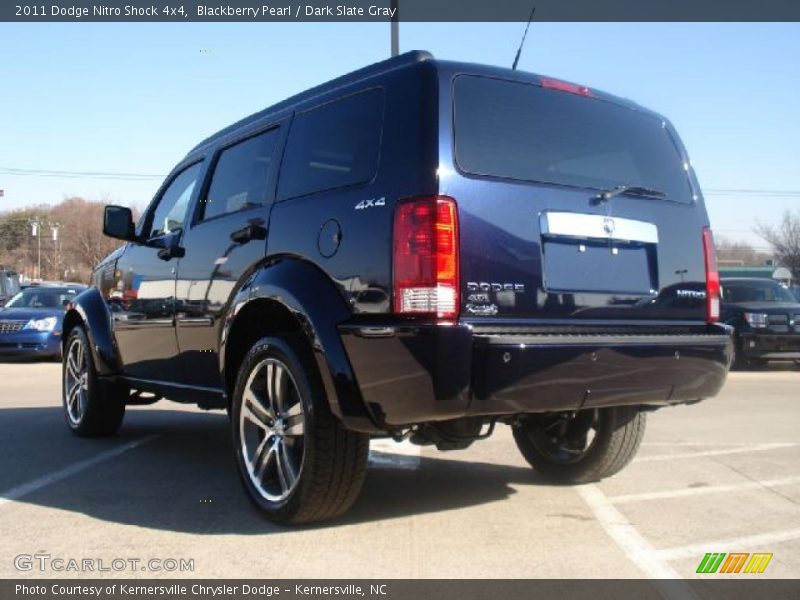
pixel 333 145
pixel 170 213
pixel 241 176
pixel 13 285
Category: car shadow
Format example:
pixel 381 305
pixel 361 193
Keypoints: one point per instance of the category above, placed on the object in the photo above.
pixel 183 477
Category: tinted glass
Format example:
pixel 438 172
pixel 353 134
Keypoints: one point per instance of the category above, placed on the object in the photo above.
pixel 43 297
pixel 13 285
pixel 523 131
pixel 755 291
pixel 240 177
pixel 9 284
pixel 332 146
pixel 170 214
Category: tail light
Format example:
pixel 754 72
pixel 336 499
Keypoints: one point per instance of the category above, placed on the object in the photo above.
pixel 712 277
pixel 426 257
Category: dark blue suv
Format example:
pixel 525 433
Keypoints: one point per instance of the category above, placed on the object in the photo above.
pixel 419 250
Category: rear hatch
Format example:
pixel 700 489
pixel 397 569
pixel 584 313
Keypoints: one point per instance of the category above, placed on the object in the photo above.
pixel 572 205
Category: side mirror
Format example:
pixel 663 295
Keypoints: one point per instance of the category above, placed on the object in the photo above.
pixel 118 223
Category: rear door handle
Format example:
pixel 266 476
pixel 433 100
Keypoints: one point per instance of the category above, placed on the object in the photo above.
pixel 249 232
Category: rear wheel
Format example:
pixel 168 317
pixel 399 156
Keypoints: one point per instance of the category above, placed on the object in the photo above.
pixel 296 461
pixel 741 362
pixel 581 447
pixel 92 408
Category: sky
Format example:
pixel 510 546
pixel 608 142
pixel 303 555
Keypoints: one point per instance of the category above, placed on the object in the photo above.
pixel 134 98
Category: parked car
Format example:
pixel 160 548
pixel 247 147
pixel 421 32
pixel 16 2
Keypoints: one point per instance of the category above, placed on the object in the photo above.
pixel 30 323
pixel 766 316
pixel 421 249
pixel 9 285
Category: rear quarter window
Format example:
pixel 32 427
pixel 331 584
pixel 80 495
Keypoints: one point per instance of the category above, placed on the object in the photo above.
pixel 333 146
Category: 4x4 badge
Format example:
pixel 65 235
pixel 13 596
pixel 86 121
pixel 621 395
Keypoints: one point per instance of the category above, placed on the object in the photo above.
pixel 372 202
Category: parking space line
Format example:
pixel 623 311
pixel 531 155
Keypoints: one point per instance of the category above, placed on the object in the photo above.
pixel 700 491
pixel 31 486
pixel 744 542
pixel 636 548
pixel 738 450
pixel 697 444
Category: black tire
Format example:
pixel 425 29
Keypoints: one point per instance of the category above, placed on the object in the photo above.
pixel 741 362
pixel 92 407
pixel 556 446
pixel 297 467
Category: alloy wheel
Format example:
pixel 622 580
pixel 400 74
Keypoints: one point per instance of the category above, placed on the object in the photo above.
pixel 76 381
pixel 271 428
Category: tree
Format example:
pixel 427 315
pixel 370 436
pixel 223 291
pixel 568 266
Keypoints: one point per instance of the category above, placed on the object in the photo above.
pixel 80 245
pixel 739 253
pixel 16 242
pixel 81 233
pixel 784 240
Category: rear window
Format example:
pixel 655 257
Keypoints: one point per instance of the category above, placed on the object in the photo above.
pixel 523 131
pixel 755 291
pixel 334 145
pixel 9 285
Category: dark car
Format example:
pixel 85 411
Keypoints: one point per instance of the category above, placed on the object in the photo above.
pixel 9 285
pixel 766 316
pixel 30 323
pixel 420 249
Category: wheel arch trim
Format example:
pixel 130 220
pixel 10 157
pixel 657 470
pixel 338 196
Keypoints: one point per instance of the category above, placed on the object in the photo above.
pixel 313 299
pixel 90 309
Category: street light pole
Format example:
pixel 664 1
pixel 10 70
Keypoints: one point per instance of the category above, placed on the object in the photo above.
pixel 395 29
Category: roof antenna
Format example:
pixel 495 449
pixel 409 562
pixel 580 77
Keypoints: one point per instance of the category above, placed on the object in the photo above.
pixel 522 43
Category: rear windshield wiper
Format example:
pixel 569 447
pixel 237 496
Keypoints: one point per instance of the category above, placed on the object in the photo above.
pixel 628 190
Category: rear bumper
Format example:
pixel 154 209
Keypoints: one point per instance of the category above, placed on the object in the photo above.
pixel 418 373
pixel 768 346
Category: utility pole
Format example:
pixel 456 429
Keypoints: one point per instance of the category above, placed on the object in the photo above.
pixel 54 230
pixel 395 29
pixel 36 225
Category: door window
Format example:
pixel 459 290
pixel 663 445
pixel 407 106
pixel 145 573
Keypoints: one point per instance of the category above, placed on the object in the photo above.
pixel 169 215
pixel 241 176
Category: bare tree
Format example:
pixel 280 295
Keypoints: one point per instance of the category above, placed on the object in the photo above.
pixel 739 253
pixel 81 224
pixel 784 240
pixel 81 244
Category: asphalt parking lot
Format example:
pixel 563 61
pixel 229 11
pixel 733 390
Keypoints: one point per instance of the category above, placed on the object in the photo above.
pixel 721 476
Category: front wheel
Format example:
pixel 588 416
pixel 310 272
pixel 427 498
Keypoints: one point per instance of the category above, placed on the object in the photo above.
pixel 581 447
pixel 296 461
pixel 92 408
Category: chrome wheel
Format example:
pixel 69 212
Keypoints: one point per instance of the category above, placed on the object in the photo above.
pixel 76 381
pixel 271 430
